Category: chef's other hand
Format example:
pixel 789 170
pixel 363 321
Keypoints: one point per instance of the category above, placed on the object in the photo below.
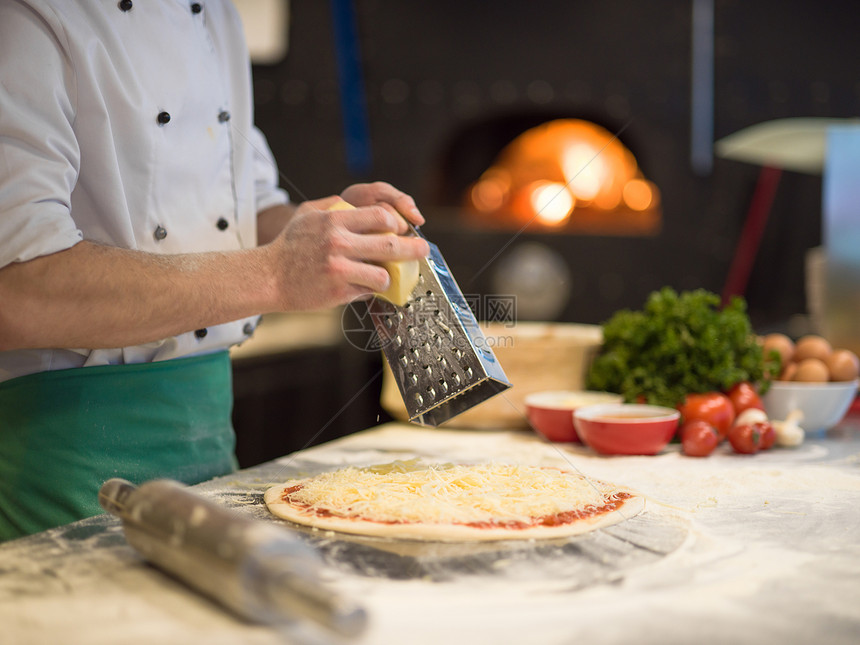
pixel 384 194
pixel 326 258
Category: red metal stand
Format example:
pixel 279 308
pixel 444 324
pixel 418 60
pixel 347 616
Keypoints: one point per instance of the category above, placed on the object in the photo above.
pixel 748 244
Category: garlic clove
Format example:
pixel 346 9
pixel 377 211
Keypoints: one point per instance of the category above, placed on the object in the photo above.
pixel 788 433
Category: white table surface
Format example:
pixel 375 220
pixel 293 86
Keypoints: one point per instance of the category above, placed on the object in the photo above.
pixel 731 549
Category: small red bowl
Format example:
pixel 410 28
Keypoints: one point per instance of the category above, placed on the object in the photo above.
pixel 551 413
pixel 626 428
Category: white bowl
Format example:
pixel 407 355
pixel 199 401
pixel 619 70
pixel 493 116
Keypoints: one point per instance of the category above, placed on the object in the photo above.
pixel 823 404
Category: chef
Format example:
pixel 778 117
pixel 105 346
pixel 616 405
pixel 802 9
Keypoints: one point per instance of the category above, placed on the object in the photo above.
pixel 142 233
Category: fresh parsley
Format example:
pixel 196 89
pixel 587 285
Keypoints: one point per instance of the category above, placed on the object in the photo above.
pixel 679 344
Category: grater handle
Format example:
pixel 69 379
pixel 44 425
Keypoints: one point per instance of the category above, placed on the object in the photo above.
pixel 415 230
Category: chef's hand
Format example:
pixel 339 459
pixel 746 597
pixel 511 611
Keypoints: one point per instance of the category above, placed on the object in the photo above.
pixel 384 194
pixel 326 258
pixel 272 221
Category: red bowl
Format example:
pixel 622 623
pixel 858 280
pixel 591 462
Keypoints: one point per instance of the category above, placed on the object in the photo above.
pixel 626 428
pixel 551 413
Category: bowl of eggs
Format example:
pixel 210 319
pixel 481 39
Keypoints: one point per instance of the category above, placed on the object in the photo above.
pixel 816 379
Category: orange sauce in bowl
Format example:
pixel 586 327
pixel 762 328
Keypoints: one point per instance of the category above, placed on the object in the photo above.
pixel 629 415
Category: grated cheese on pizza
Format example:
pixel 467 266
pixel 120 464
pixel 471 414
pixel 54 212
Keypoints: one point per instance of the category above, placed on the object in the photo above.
pixel 406 492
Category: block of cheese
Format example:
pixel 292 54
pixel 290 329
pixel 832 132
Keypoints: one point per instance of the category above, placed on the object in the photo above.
pixel 404 274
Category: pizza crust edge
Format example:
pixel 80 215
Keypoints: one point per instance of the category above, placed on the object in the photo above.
pixel 430 532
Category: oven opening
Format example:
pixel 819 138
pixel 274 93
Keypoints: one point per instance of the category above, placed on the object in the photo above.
pixel 546 173
pixel 565 175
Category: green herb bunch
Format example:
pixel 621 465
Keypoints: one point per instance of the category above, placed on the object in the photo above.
pixel 677 345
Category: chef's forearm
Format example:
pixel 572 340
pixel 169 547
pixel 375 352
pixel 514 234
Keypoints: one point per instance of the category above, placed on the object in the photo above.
pixel 95 296
pixel 272 221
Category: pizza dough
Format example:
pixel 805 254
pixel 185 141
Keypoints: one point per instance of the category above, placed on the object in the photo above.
pixel 453 502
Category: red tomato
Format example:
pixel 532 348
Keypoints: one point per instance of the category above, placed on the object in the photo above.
pixel 744 396
pixel 745 439
pixel 698 438
pixel 768 434
pixel 714 407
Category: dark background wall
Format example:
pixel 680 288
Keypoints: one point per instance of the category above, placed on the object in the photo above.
pixel 449 83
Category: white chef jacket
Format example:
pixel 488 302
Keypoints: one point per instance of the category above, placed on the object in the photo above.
pixel 129 124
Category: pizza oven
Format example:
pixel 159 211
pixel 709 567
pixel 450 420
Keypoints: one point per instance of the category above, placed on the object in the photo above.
pixel 545 210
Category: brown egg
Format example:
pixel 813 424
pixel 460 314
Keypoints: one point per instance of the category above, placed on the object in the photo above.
pixel 812 346
pixel 812 370
pixel 788 372
pixel 843 365
pixel 782 344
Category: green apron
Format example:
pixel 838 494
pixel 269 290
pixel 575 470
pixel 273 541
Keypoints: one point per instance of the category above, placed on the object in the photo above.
pixel 63 433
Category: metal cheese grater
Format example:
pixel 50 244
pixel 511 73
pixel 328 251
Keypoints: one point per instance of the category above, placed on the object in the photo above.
pixel 439 357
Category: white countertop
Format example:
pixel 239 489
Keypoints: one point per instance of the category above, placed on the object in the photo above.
pixel 731 549
pixel 278 333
